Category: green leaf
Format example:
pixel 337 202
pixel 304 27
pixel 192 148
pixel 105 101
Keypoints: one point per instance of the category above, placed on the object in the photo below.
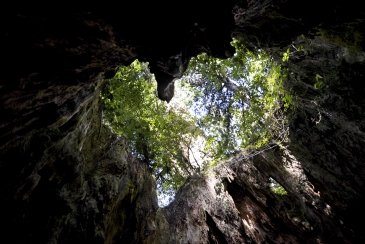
pixel 228 105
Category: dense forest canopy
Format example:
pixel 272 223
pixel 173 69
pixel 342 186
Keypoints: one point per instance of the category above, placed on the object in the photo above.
pixel 221 106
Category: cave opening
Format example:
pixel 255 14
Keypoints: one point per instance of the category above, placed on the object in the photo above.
pixel 220 107
pixel 65 178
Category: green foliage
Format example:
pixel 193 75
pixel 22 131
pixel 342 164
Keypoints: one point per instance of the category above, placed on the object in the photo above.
pixel 286 55
pixel 237 100
pixel 229 104
pixel 319 82
pixel 279 190
pixel 157 134
pixel 276 188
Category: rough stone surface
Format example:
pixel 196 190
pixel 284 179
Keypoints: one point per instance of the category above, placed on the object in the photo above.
pixel 327 130
pixel 64 178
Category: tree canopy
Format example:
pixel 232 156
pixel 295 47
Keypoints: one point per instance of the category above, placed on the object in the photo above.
pixel 237 100
pixel 158 135
pixel 228 104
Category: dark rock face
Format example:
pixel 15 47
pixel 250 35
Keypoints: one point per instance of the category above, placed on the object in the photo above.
pixel 67 44
pixel 64 178
pixel 330 118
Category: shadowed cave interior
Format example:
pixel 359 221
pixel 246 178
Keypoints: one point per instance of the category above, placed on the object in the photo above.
pixel 65 178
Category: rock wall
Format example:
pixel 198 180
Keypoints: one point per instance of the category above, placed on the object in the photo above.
pixel 64 178
pixel 327 131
